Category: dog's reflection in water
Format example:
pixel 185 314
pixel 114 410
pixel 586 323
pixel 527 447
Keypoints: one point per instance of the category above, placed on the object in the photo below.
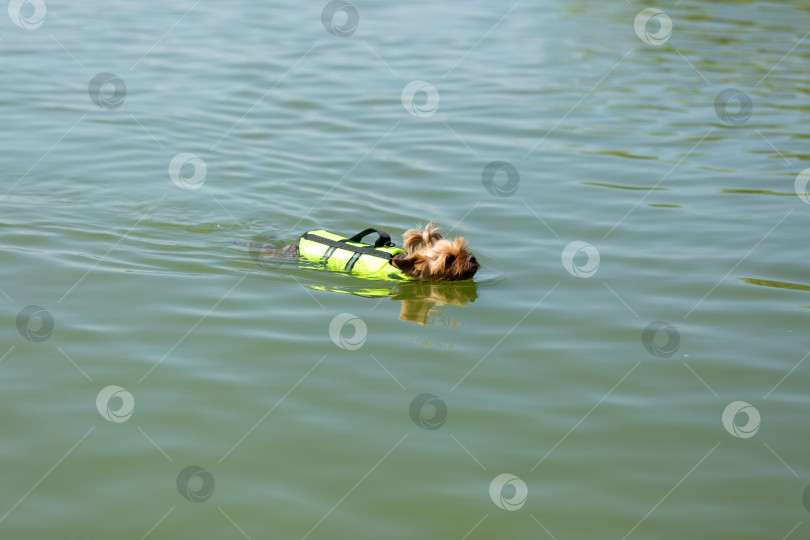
pixel 421 300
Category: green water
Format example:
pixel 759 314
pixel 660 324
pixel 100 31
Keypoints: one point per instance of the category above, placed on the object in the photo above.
pixel 631 355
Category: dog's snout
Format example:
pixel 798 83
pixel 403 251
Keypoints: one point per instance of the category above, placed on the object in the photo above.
pixel 472 260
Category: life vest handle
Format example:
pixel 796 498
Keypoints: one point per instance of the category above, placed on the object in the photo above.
pixel 383 240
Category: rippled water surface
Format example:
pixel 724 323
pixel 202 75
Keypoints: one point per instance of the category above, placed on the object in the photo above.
pixel 629 362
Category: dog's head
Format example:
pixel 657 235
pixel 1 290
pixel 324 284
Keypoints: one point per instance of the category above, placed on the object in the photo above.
pixel 432 257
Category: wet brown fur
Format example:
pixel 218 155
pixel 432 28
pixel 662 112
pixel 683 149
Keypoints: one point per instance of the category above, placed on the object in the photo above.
pixel 429 256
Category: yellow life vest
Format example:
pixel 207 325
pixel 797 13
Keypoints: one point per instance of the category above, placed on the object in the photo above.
pixel 350 255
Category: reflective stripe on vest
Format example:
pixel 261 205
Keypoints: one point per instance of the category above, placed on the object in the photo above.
pixel 336 253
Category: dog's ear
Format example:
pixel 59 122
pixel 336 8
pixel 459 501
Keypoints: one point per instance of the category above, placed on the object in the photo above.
pixel 406 264
pixel 414 238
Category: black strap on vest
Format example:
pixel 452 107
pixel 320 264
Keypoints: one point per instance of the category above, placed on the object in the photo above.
pixel 383 239
pixel 343 244
pixel 350 264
